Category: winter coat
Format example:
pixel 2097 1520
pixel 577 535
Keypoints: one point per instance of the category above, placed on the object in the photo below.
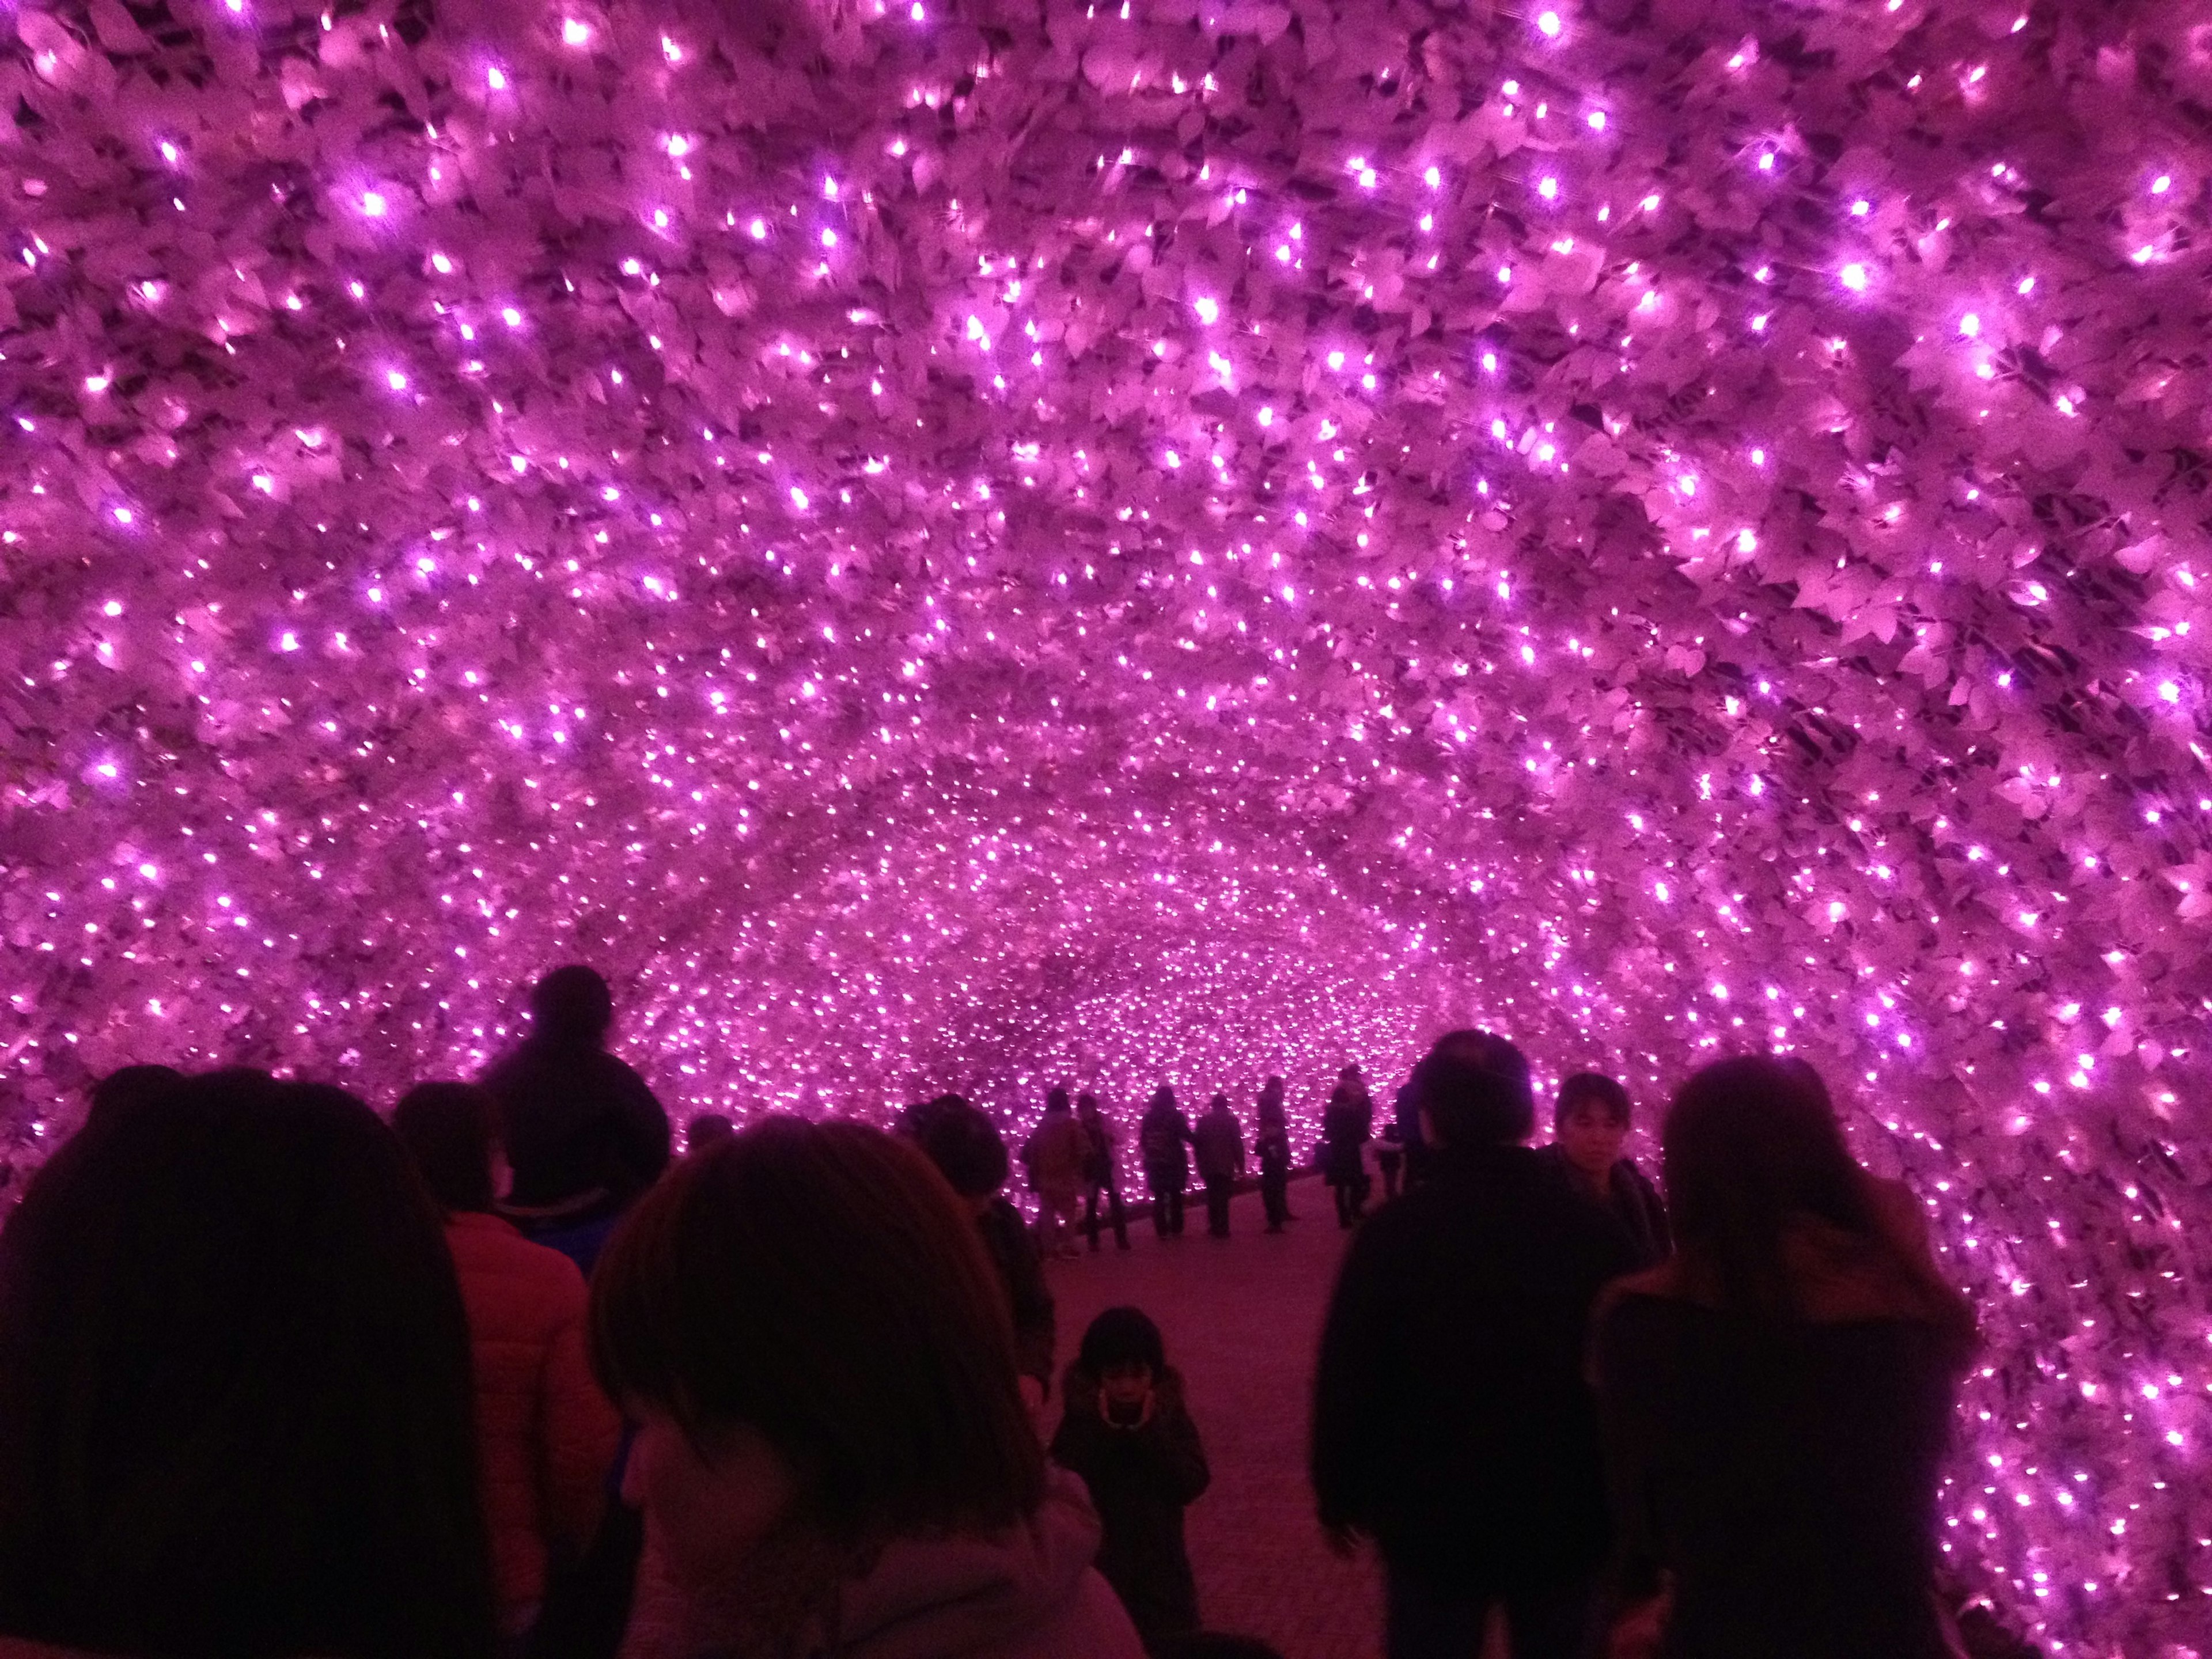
pixel 1013 1252
pixel 1098 1166
pixel 546 1436
pixel 1346 1125
pixel 1161 1140
pixel 1027 1593
pixel 1054 1154
pixel 575 1122
pixel 1140 1481
pixel 1630 1199
pixel 1452 1421
pixel 1217 1143
pixel 1273 1147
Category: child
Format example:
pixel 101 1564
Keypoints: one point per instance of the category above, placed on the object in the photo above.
pixel 1125 1429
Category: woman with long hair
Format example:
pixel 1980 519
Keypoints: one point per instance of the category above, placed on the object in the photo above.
pixel 235 1415
pixel 1777 1399
pixel 833 1454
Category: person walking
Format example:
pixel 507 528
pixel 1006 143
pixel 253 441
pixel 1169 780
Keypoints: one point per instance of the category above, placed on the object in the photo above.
pixel 1102 1175
pixel 1218 1146
pixel 1452 1423
pixel 1272 1142
pixel 1054 1154
pixel 1163 1139
pixel 1347 1123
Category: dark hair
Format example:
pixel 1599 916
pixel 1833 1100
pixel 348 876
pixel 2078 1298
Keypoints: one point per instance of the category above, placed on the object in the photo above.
pixel 133 1088
pixel 962 1141
pixel 1596 1088
pixel 1056 1101
pixel 817 1283
pixel 1122 1336
pixel 1475 1087
pixel 1747 1144
pixel 236 1407
pixel 1163 1097
pixel 572 1006
pixel 1218 1104
pixel 705 1129
pixel 447 1130
pixel 1086 1102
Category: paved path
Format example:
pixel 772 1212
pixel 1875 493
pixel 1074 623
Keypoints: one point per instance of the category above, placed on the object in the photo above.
pixel 1242 1320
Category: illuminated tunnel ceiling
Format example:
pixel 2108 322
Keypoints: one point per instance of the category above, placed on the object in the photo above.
pixel 978 545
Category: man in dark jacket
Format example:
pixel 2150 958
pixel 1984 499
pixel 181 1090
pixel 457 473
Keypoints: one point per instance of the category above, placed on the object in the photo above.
pixel 582 1133
pixel 1162 1146
pixel 1451 1421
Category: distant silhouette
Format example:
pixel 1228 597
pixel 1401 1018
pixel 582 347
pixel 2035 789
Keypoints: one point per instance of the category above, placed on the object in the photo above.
pixel 1272 1142
pixel 1347 1123
pixel 1163 1144
pixel 583 1133
pixel 1216 1143
pixel 1777 1399
pixel 1055 1156
pixel 704 1129
pixel 234 1390
pixel 546 1437
pixel 1101 1174
pixel 134 1088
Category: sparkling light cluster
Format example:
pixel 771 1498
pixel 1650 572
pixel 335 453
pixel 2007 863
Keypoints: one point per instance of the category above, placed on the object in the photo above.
pixel 989 544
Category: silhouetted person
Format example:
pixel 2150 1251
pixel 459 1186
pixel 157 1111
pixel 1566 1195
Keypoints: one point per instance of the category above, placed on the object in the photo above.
pixel 1054 1154
pixel 1589 1122
pixel 1777 1399
pixel 1389 1159
pixel 1102 1173
pixel 546 1437
pixel 1270 1142
pixel 704 1129
pixel 583 1133
pixel 1347 1123
pixel 1163 1144
pixel 967 1150
pixel 1126 1428
pixel 234 1391
pixel 1452 1422
pixel 1217 1145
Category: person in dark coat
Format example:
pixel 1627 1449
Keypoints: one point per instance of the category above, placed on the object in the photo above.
pixel 1102 1175
pixel 1218 1144
pixel 583 1133
pixel 1272 1144
pixel 1452 1423
pixel 1124 1428
pixel 1777 1399
pixel 969 1150
pixel 1347 1124
pixel 1588 1123
pixel 1163 1143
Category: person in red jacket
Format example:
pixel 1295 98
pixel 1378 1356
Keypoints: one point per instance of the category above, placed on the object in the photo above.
pixel 546 1434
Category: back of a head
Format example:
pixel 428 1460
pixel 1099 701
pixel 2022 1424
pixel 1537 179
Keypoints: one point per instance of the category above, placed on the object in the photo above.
pixel 959 1138
pixel 705 1129
pixel 1086 1105
pixel 1475 1087
pixel 1218 1104
pixel 447 1130
pixel 819 1284
pixel 572 1007
pixel 1056 1101
pixel 1593 1088
pixel 235 1410
pixel 1162 1100
pixel 1749 1143
pixel 1122 1336
pixel 134 1088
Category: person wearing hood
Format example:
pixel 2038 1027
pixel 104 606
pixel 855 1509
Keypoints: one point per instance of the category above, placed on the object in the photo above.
pixel 583 1133
pixel 1125 1429
pixel 1218 1144
pixel 833 1456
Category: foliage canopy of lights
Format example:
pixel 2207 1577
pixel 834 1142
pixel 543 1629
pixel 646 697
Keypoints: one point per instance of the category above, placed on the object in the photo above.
pixel 981 544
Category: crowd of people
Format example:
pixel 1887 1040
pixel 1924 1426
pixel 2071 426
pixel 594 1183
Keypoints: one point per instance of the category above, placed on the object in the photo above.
pixel 503 1375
